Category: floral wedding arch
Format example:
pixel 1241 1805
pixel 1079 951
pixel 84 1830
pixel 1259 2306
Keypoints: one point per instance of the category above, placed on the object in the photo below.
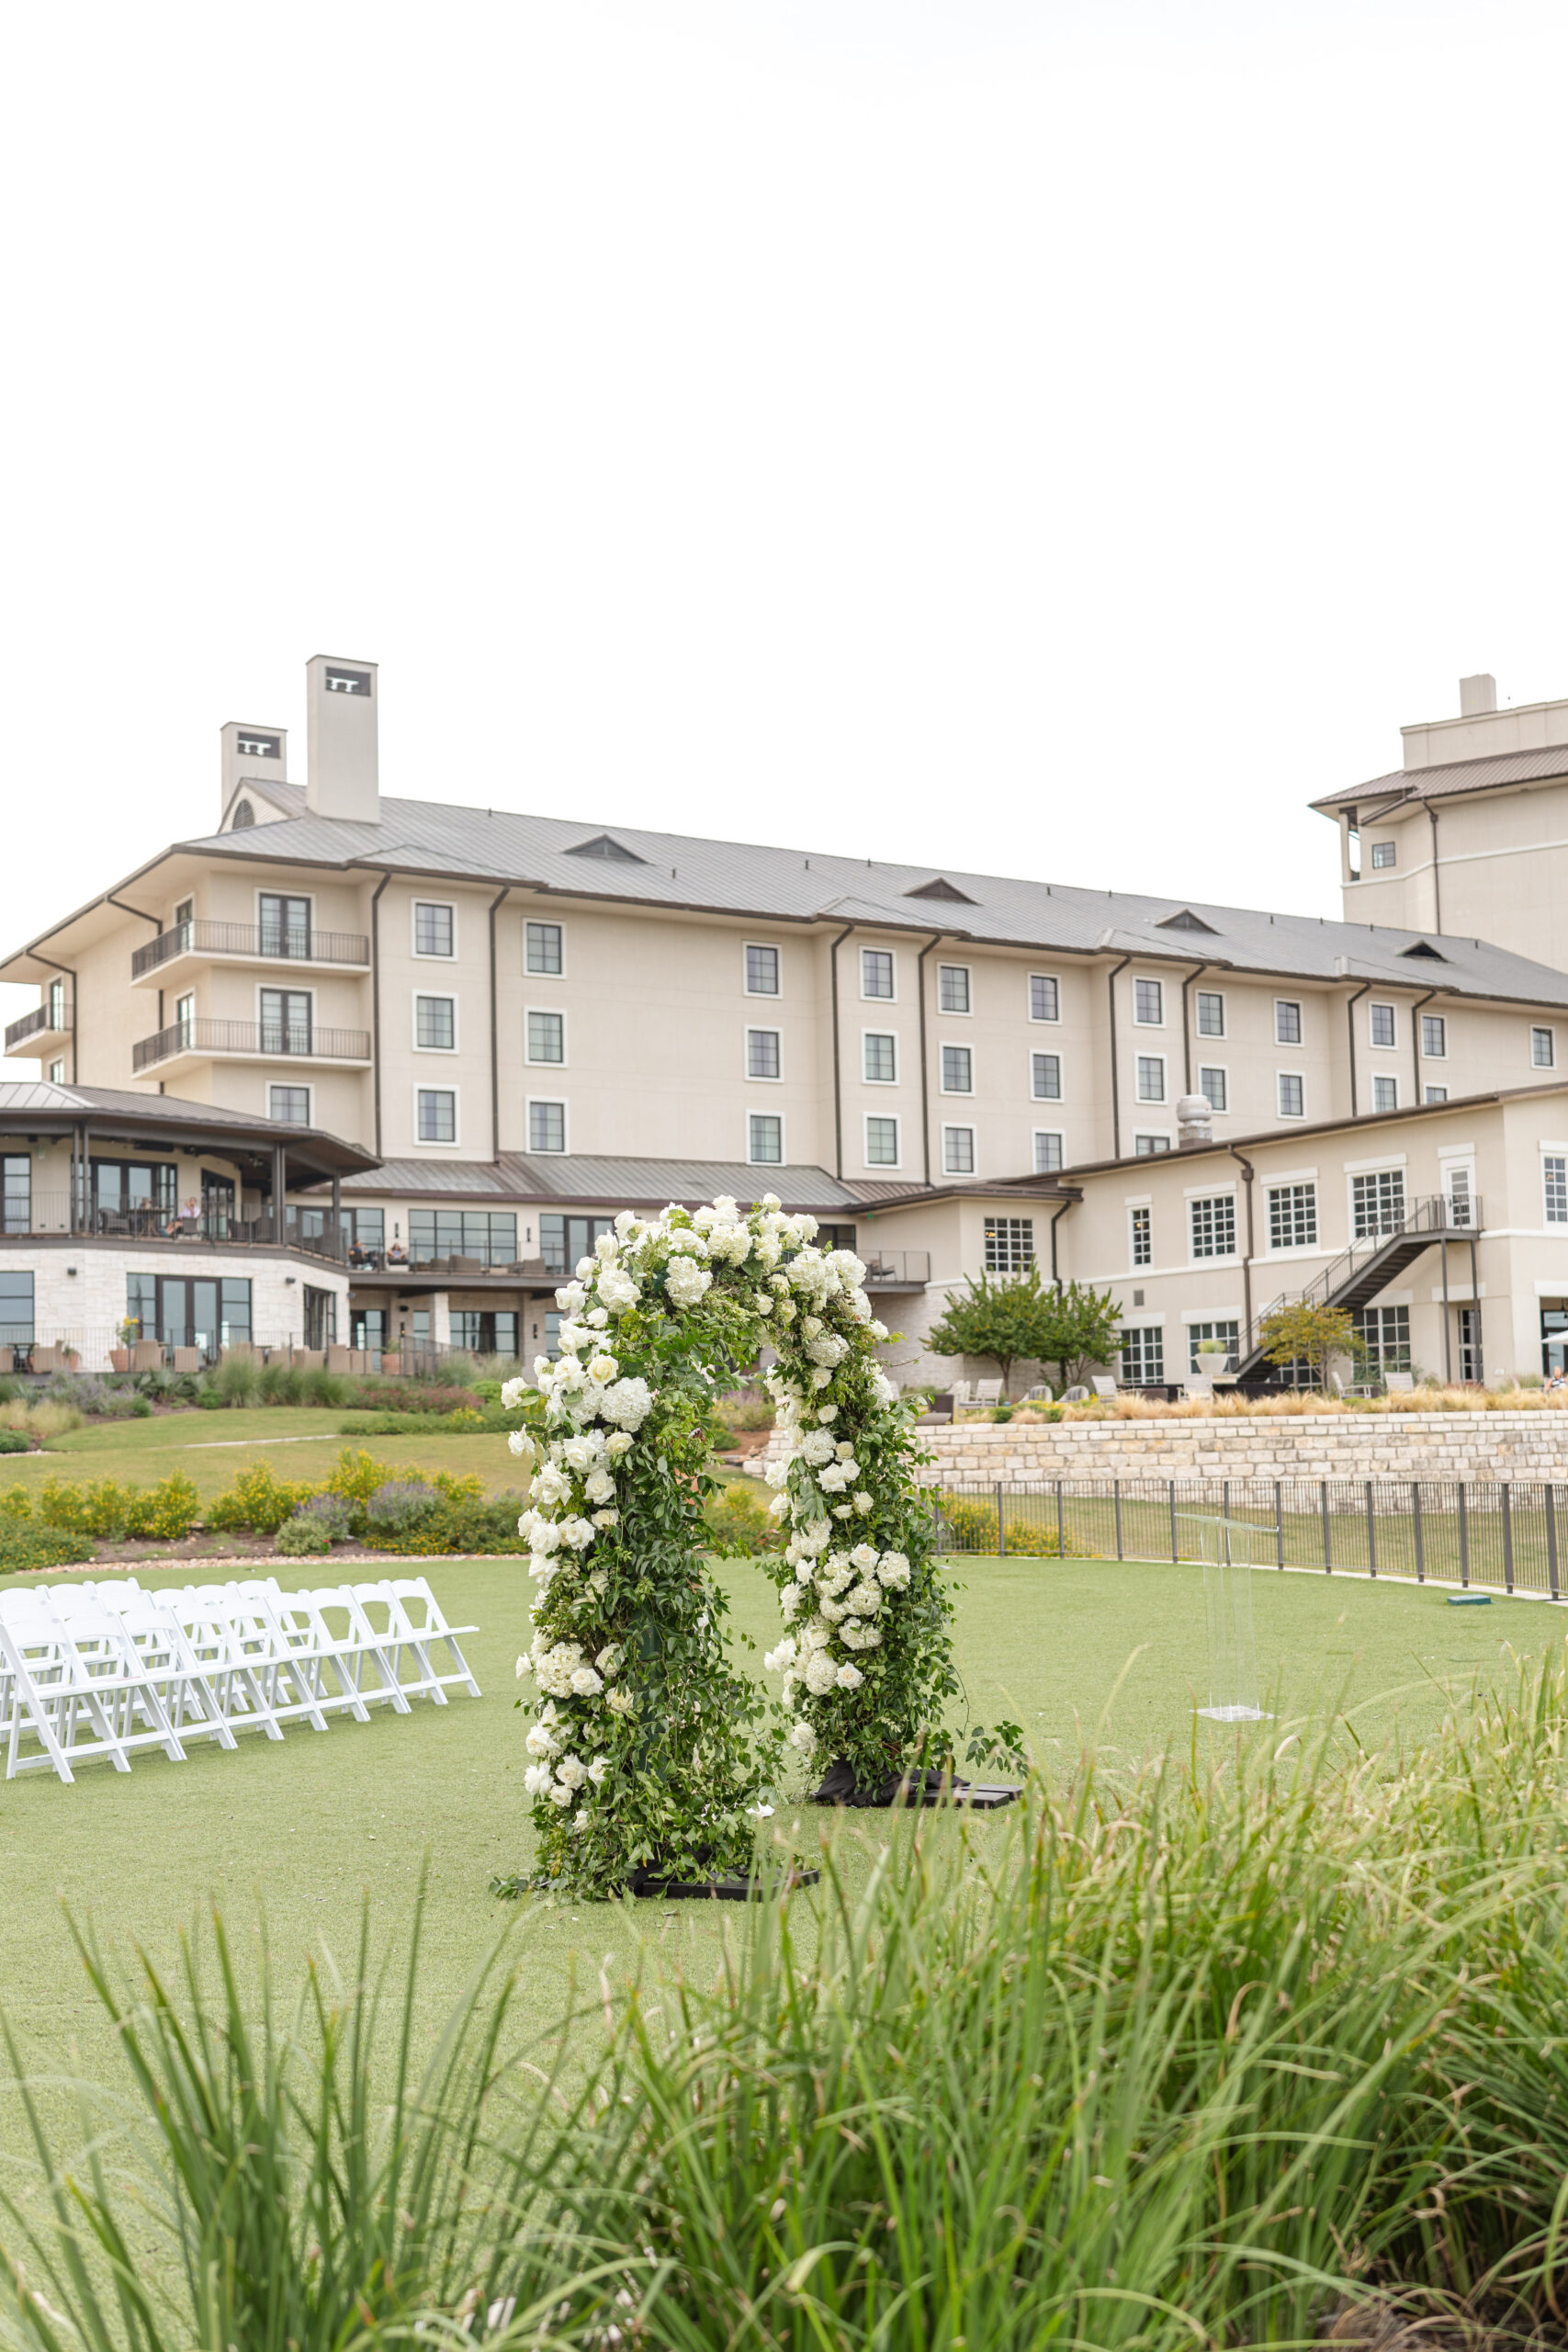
pixel 648 1755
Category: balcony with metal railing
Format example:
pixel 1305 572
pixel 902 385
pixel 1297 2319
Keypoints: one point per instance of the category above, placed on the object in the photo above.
pixel 47 1215
pixel 898 1269
pixel 251 1041
pixel 301 945
pixel 1392 1243
pixel 48 1025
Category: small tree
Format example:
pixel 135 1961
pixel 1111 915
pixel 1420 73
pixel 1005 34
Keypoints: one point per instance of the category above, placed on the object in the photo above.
pixel 1302 1331
pixel 1083 1327
pixel 1007 1321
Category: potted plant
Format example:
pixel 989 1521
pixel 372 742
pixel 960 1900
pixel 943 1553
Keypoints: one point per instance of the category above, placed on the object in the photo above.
pixel 1214 1356
pixel 130 1332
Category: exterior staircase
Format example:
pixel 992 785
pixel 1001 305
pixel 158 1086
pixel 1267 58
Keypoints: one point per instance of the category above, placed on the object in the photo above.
pixel 1355 1278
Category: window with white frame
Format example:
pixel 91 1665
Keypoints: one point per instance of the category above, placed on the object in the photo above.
pixel 1151 1077
pixel 1009 1245
pixel 1213 1085
pixel 1292 1094
pixel 1228 1334
pixel 761 971
pixel 881 1143
pixel 764 1057
pixel 1543 1048
pixel 1380 1026
pixel 1385 1093
pixel 1148 1003
pixel 1049 1150
pixel 1287 1022
pixel 876 971
pixel 1377 1203
pixel 1436 1094
pixel 1212 1224
pixel 1141 1221
pixel 1384 1333
pixel 435 1114
pixel 1044 997
pixel 435 928
pixel 1460 1186
pixel 764 1138
pixel 436 1025
pixel 1143 1356
pixel 881 1049
pixel 57 1073
pixel 1292 1216
pixel 1211 1013
pixel 957 1070
pixel 542 946
pixel 953 988
pixel 1554 1184
pixel 1434 1037
pixel 291 1104
pixel 1045 1077
pixel 1149 1146
pixel 958 1151
pixel 547 1126
pixel 547 1036
pixel 1384 853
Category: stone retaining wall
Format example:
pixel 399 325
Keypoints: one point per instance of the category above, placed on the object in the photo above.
pixel 1317 1445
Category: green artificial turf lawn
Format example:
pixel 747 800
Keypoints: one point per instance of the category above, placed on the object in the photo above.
pixel 315 1823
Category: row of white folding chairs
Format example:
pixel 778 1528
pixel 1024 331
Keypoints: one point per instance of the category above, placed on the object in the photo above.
pixel 90 1670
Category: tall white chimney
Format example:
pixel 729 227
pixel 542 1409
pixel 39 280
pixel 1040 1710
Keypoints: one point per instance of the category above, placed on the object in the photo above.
pixel 261 752
pixel 340 721
pixel 1477 696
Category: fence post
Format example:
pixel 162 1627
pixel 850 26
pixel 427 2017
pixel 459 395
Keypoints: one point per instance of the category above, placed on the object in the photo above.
pixel 1463 1541
pixel 1415 1522
pixel 1507 1486
pixel 1327 1547
pixel 1551 1539
pixel 1279 1524
pixel 1372 1533
pixel 1061 1530
pixel 1002 1522
pixel 1116 1497
pixel 1171 1484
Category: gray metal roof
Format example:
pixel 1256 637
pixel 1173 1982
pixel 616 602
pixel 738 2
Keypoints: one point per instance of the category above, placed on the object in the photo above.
pixel 777 886
pixel 25 1099
pixel 1455 775
pixel 621 1182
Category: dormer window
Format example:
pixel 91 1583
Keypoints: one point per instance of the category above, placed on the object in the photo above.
pixel 348 682
pixel 605 845
pixel 258 747
pixel 244 815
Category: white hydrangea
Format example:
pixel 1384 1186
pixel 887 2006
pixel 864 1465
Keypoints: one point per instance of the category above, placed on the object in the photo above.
pixel 627 1403
pixel 817 1447
pixel 828 1348
pixel 686 1282
pixel 617 1290
pixel 866 1600
pixel 820 1674
pixel 893 1570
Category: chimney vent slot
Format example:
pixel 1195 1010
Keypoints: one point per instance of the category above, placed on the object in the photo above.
pixel 348 682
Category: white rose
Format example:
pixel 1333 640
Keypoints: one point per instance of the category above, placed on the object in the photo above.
pixel 606 1519
pixel 549 1486
pixel 820 1377
pixel 578 1532
pixel 539 1742
pixel 621 1702
pixel 848 1678
pixel 524 1666
pixel 779 1507
pixel 602 1370
pixel 512 1395
pixel 598 1771
pixel 617 1444
pixel 601 1486
pixel 609 1658
pixel 520 1444
pixel 617 1290
pixel 571 1772
pixel 537 1780
pixel 585 1682
pixel 864 1557
pixel 802 1736
pixel 560 1794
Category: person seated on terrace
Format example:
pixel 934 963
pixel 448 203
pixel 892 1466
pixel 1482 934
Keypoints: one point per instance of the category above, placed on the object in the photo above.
pixel 397 1255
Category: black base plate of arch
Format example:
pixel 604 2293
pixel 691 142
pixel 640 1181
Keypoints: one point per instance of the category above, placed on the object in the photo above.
pixel 732 1887
pixel 928 1788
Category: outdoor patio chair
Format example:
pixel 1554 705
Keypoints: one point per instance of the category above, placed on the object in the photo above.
pixel 1106 1390
pixel 1077 1396
pixel 963 1395
pixel 146 1355
pixel 187 1358
pixel 1399 1384
pixel 987 1393
pixel 340 1360
pixel 1039 1395
pixel 1198 1384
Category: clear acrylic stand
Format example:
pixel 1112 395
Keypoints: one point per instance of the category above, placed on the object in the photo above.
pixel 1225 1547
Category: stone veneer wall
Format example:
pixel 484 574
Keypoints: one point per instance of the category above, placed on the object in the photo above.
pixel 1311 1445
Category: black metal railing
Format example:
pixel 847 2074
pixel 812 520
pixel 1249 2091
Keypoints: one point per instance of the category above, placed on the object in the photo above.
pixel 313 1230
pixel 896 1269
pixel 1437 1216
pixel 298 1040
pixel 285 943
pixel 46 1020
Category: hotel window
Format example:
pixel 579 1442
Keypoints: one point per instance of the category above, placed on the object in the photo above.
pixel 957 1070
pixel 547 1126
pixel 16 1308
pixel 1214 1226
pixel 880 1059
pixel 1292 1094
pixel 543 948
pixel 17 1202
pixel 1437 1094
pixel 1543 1048
pixel 435 1114
pixel 1149 1146
pixel 1009 1245
pixel 1151 1077
pixel 764 1138
pixel 762 1053
pixel 564 1241
pixel 1381 1020
pixel 1377 1203
pixel 1211 1013
pixel 1287 1022
pixel 953 988
pixel 285 924
pixel 56 1005
pixel 1148 1003
pixel 1292 1216
pixel 1461 1196
pixel 57 1073
pixel 1384 1332
pixel 435 1024
pixel 1213 1086
pixel 1044 997
pixel 1554 1180
pixel 761 971
pixel 483 1332
pixel 1434 1037
pixel 1049 1151
pixel 547 1036
pixel 1142 1236
pixel 1383 853
pixel 1143 1357
pixel 958 1151
pixel 435 928
pixel 486 1234
pixel 1045 1077
pixel 289 1104
pixel 1385 1093
pixel 881 1143
pixel 184 1016
pixel 1230 1333
pixel 876 971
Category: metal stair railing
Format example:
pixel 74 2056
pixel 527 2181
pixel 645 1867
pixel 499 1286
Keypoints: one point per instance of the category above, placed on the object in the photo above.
pixel 1436 1216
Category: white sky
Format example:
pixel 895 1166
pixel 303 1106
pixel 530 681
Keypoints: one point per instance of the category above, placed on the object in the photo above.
pixel 1019 434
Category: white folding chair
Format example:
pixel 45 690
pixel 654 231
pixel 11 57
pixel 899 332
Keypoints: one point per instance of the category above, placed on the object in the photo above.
pixel 360 1645
pixel 421 1624
pixel 160 1643
pixel 259 1638
pixel 226 1670
pixel 301 1635
pixel 81 1692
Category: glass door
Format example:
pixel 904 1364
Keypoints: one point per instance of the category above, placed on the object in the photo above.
pixel 286 1021
pixel 285 924
pixel 17 1200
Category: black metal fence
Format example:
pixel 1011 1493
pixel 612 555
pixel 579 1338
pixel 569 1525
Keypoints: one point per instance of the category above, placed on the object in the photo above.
pixel 1504 1535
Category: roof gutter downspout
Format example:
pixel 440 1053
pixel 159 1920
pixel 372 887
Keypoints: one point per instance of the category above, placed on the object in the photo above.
pixel 934 941
pixel 1249 1175
pixel 1437 883
pixel 494 1043
pixel 837 1097
pixel 375 1001
pixel 1195 974
pixel 1350 1004
pixel 1115 1081
pixel 1055 1221
pixel 1415 1041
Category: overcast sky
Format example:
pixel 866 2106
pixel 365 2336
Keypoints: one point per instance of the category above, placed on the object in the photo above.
pixel 1012 434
